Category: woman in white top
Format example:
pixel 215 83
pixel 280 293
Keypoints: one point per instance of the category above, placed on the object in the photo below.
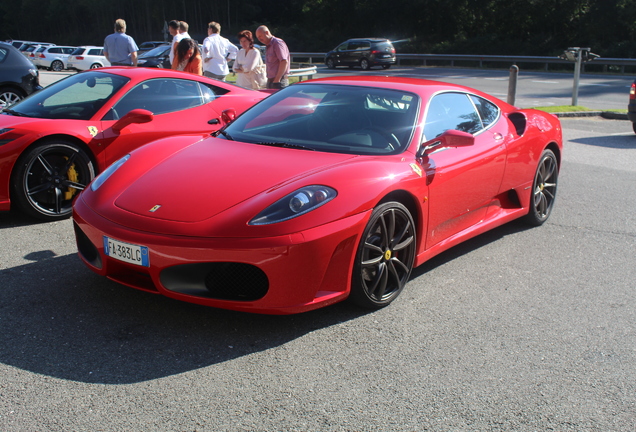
pixel 248 62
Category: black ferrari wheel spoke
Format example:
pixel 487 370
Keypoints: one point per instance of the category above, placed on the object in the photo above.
pixel 45 164
pixel 69 162
pixel 40 188
pixel 378 288
pixel 74 185
pixel 58 200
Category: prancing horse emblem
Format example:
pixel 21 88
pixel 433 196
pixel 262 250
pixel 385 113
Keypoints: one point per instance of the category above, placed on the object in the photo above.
pixel 155 208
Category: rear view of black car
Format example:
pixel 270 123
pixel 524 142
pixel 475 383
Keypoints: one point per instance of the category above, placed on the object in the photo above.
pixel 158 57
pixel 631 108
pixel 18 76
pixel 364 52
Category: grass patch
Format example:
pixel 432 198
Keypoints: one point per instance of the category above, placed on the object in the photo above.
pixel 563 108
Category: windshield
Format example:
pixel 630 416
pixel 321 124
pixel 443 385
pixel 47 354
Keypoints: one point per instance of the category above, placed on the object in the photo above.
pixel 331 118
pixel 77 97
pixel 155 52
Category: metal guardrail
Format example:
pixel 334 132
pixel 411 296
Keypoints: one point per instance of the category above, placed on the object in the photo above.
pixel 422 59
pixel 303 72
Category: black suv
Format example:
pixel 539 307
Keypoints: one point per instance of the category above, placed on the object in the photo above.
pixel 631 108
pixel 365 52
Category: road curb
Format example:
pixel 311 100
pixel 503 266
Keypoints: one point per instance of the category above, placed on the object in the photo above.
pixel 605 114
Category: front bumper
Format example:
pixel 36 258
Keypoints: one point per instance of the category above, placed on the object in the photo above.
pixel 278 275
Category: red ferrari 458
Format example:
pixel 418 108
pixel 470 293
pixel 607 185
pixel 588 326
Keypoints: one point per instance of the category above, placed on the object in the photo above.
pixel 327 190
pixel 54 142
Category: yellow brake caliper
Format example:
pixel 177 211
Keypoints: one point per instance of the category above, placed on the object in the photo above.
pixel 73 177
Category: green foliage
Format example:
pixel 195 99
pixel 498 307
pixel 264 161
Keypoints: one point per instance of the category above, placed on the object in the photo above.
pixel 506 27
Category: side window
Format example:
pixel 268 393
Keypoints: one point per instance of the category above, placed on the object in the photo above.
pixel 159 96
pixel 343 47
pixel 364 45
pixel 96 52
pixel 488 111
pixel 451 111
pixel 3 54
pixel 210 92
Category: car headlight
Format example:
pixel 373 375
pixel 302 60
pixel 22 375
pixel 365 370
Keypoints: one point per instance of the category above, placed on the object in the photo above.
pixel 295 204
pixel 100 179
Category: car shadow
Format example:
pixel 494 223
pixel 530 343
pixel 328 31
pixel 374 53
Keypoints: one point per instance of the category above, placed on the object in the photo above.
pixel 469 246
pixel 61 320
pixel 612 141
pixel 15 218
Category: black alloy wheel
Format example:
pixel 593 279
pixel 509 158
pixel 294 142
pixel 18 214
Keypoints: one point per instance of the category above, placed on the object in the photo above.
pixel 330 63
pixel 57 66
pixel 364 64
pixel 47 178
pixel 544 189
pixel 95 66
pixel 385 256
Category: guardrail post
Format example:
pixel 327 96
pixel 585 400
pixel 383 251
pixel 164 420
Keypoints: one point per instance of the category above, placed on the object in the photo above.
pixel 512 84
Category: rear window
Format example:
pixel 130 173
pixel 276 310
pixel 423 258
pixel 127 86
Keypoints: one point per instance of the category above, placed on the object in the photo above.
pixel 383 45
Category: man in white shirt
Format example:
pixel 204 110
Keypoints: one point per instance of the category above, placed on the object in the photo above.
pixel 178 30
pixel 216 52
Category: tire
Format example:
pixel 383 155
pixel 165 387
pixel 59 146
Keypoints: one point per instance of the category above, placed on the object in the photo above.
pixel 9 96
pixel 57 66
pixel 386 66
pixel 634 127
pixel 330 63
pixel 47 178
pixel 385 257
pixel 95 65
pixel 364 64
pixel 544 189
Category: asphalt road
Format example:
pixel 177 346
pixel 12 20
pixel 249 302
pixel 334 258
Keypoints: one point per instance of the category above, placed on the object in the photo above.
pixel 516 330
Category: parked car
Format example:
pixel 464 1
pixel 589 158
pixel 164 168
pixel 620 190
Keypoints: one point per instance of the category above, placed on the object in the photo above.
pixel 87 57
pixel 631 107
pixel 54 142
pixel 147 46
pixel 329 189
pixel 22 45
pixel 18 76
pixel 52 57
pixel 366 52
pixel 158 57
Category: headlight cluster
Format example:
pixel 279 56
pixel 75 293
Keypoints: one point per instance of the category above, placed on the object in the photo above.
pixel 100 179
pixel 295 204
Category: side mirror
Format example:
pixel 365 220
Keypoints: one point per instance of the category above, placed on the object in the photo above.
pixel 228 115
pixel 136 116
pixel 450 138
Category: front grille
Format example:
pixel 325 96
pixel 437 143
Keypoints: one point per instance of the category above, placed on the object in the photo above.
pixel 236 281
pixel 221 280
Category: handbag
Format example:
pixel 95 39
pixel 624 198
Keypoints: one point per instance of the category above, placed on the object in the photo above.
pixel 260 74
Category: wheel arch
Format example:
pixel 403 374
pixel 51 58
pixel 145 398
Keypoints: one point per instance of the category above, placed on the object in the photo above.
pixel 13 87
pixel 556 150
pixel 411 203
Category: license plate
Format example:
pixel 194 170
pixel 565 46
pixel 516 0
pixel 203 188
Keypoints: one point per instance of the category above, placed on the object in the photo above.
pixel 126 252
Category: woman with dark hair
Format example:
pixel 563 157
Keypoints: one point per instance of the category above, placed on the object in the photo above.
pixel 188 58
pixel 249 66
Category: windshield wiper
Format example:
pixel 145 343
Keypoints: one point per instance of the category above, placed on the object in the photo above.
pixel 285 145
pixel 15 113
pixel 225 134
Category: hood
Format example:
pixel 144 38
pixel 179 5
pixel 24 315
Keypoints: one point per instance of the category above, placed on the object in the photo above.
pixel 214 175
